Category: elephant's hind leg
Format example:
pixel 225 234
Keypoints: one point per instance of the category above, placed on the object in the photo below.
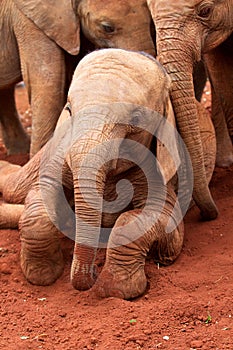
pixel 41 255
pixel 10 214
pixel 15 137
pixel 6 169
pixel 16 181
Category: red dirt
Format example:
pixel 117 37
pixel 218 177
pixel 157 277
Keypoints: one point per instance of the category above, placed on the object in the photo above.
pixel 187 305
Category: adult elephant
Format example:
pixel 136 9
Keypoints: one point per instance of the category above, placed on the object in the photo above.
pixel 108 133
pixel 37 41
pixel 185 30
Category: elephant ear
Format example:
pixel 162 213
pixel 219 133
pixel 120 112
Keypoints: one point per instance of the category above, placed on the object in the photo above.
pixel 57 19
pixel 65 114
pixel 167 145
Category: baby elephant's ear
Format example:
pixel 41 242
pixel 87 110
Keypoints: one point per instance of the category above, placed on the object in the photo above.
pixel 65 114
pixel 57 19
pixel 167 145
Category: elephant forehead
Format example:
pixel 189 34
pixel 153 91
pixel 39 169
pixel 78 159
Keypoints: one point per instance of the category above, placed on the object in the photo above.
pixel 118 8
pixel 101 89
pixel 104 58
pixel 118 72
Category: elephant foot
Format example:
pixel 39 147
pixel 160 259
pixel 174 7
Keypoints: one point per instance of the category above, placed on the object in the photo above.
pixel 41 254
pixel 42 269
pixel 224 153
pixel 122 283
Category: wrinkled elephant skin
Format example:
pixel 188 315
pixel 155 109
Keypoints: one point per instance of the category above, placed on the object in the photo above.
pixel 103 155
pixel 38 39
pixel 186 30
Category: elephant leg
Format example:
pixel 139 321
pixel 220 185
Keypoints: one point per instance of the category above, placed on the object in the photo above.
pixel 41 256
pixel 219 63
pixel 44 76
pixel 123 275
pixel 10 215
pixel 14 136
pixel 224 153
pixel 6 169
pixel 16 181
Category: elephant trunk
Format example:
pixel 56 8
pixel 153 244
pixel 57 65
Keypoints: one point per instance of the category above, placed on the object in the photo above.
pixel 88 223
pixel 90 161
pixel 178 61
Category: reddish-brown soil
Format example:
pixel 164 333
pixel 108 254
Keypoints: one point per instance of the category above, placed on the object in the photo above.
pixel 187 305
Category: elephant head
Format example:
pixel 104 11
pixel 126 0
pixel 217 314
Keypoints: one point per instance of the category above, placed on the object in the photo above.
pixel 123 24
pixel 185 29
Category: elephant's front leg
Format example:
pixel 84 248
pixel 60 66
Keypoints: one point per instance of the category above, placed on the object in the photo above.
pixel 135 233
pixel 44 72
pixel 41 255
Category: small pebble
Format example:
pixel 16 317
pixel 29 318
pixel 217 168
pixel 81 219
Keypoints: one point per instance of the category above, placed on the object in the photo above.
pixel 196 344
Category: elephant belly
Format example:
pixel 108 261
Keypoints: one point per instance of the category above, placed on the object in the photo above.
pixel 10 71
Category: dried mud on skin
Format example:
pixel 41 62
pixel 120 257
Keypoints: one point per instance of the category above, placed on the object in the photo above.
pixel 187 305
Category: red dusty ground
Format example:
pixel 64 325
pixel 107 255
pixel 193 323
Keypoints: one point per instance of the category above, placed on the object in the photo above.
pixel 187 305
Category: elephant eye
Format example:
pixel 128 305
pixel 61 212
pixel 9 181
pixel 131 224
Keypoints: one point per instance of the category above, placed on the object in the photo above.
pixel 204 11
pixel 108 28
pixel 137 117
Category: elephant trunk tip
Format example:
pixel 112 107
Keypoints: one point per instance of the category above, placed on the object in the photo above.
pixel 82 276
pixel 82 282
pixel 209 214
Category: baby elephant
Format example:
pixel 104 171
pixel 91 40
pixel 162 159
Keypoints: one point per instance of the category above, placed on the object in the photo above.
pixel 115 158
